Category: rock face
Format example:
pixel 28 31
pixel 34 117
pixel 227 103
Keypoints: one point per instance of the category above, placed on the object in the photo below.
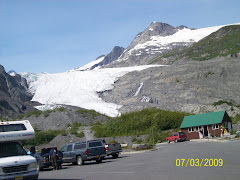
pixel 146 45
pixel 189 86
pixel 14 98
pixel 112 56
pixel 59 120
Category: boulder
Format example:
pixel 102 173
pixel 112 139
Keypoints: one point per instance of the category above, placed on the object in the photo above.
pixel 140 146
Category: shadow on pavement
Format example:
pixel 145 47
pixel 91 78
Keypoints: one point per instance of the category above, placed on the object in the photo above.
pixel 58 179
pixel 120 157
pixel 51 169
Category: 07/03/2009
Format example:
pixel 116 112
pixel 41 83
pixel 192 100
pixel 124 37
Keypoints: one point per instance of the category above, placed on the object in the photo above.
pixel 199 162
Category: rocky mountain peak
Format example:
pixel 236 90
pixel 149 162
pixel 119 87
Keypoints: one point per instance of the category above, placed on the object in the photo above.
pixel 14 97
pixel 154 29
pixel 12 73
pixel 115 53
pixel 112 56
pixel 2 69
pixel 181 27
pixel 161 29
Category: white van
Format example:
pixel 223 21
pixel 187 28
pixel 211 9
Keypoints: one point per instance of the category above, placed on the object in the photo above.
pixel 14 162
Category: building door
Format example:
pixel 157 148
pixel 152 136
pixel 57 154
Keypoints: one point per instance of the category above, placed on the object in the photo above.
pixel 205 130
pixel 229 127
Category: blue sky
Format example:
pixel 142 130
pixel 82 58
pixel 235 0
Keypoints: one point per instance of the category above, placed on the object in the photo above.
pixel 58 35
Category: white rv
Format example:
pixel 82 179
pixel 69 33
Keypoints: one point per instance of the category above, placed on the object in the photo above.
pixel 14 161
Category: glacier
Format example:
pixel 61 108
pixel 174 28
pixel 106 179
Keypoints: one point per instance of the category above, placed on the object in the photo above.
pixel 81 88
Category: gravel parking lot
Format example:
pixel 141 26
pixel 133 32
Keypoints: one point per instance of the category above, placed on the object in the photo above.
pixel 161 164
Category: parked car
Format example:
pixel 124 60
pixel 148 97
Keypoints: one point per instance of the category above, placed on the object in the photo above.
pixel 78 153
pixel 176 136
pixel 41 163
pixel 45 155
pixel 113 149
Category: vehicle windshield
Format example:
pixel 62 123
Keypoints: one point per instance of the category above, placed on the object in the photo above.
pixel 95 143
pixel 8 149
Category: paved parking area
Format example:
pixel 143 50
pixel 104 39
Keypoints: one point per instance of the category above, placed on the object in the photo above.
pixel 161 164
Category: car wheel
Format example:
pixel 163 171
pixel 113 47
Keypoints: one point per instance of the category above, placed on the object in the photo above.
pixel 98 161
pixel 80 160
pixel 168 141
pixel 115 155
pixel 176 141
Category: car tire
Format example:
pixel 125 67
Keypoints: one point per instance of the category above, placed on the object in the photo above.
pixel 80 161
pixel 98 161
pixel 168 141
pixel 175 140
pixel 115 155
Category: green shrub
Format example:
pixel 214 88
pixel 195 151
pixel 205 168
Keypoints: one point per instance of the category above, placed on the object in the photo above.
pixel 37 113
pixel 68 125
pixel 43 137
pixel 140 122
pixel 220 102
pixel 84 113
pixel 60 109
pixel 112 141
pixel 134 139
pixel 76 124
pixel 235 119
pixel 75 127
pixel 20 116
pixel 139 141
pixel 80 135
pixel 47 113
pixel 74 130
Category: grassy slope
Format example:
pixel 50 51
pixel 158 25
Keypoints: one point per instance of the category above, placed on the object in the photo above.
pixel 220 43
pixel 223 42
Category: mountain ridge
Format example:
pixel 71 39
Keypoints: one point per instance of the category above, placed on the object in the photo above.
pixel 223 42
pixel 14 95
pixel 102 84
pixel 158 38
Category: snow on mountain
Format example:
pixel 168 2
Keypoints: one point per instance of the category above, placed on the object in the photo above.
pixel 160 43
pixel 80 88
pixel 156 39
pixel 12 73
pixel 103 60
pixel 185 35
pixel 90 65
pixel 31 78
pixel 139 89
pixel 160 38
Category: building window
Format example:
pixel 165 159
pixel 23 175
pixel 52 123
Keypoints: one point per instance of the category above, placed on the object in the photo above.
pixel 197 128
pixel 191 129
pixel 215 126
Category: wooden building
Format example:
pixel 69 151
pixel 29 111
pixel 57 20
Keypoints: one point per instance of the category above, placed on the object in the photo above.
pixel 206 125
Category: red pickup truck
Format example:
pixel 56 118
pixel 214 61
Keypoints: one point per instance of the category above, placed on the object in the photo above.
pixel 176 136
